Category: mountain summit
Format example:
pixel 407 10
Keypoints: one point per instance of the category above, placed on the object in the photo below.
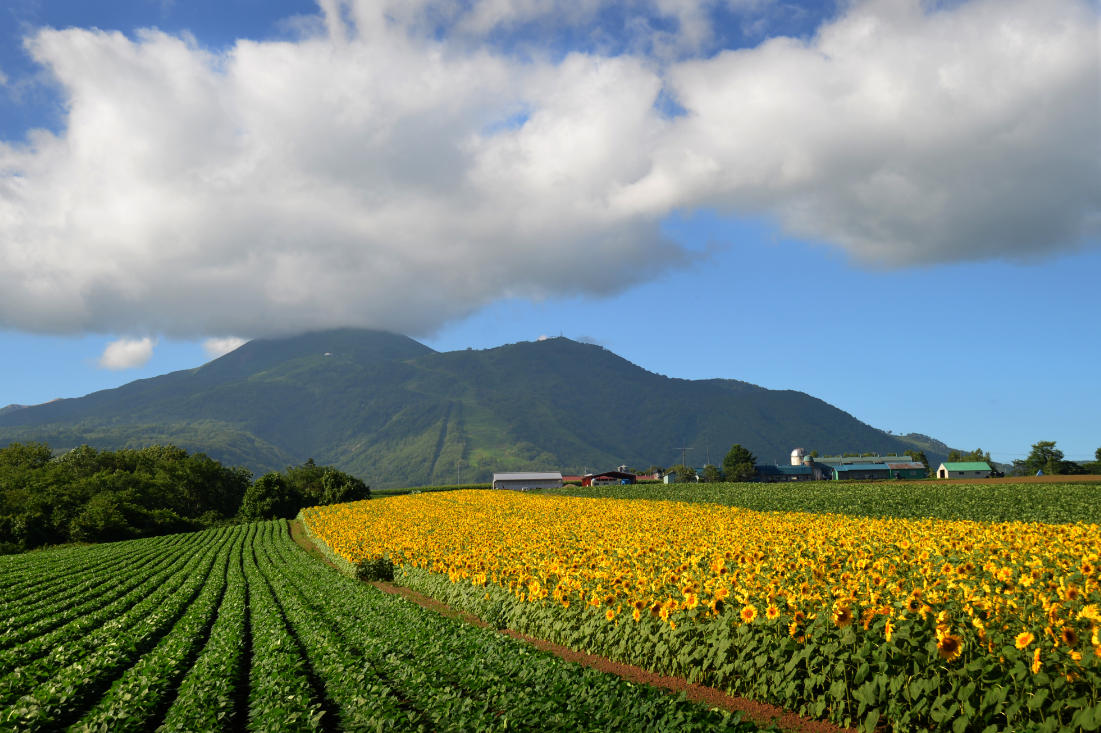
pixel 397 413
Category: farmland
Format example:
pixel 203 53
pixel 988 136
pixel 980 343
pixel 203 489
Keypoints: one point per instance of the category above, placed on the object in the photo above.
pixel 238 629
pixel 917 623
pixel 1055 502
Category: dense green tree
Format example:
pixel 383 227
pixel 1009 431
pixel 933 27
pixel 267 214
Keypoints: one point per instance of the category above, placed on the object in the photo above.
pixel 918 456
pixel 685 474
pixel 87 495
pixel 272 496
pixel 26 455
pixel 711 474
pixel 739 464
pixel 1095 467
pixel 975 456
pixel 1047 458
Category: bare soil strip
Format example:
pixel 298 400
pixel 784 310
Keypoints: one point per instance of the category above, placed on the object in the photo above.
pixel 760 713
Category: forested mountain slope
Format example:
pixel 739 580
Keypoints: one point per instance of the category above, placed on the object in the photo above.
pixel 394 412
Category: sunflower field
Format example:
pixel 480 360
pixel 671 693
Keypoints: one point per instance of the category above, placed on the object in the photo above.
pixel 912 624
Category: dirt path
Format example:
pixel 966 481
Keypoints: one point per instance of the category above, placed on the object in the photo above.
pixel 760 713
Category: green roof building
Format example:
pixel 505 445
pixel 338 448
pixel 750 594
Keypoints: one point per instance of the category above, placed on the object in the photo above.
pixel 979 469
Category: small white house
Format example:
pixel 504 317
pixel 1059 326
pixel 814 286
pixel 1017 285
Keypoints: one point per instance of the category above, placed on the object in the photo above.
pixel 979 469
pixel 525 481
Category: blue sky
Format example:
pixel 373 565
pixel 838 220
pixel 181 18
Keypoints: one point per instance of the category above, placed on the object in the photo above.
pixel 972 339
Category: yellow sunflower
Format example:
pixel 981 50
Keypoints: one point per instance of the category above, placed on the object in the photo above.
pixel 950 647
pixel 772 612
pixel 749 613
pixel 842 616
pixel 1024 639
pixel 609 614
pixel 888 630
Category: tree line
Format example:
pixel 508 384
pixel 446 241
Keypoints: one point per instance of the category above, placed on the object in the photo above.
pixel 87 495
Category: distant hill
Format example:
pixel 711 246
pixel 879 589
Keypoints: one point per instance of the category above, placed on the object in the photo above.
pixel 396 413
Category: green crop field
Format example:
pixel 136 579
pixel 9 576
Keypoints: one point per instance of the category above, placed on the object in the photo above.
pixel 239 629
pixel 1053 503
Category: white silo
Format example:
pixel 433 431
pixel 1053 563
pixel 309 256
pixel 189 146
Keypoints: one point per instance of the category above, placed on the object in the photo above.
pixel 797 457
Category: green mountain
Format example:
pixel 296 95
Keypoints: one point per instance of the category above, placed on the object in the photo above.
pixel 396 413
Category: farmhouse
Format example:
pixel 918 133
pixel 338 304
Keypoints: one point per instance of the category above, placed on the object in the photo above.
pixel 525 481
pixel 974 469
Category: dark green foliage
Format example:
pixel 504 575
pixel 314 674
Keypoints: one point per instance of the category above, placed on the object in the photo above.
pixel 278 496
pixel 918 456
pixel 1054 503
pixel 87 495
pixel 685 474
pixel 739 464
pixel 237 628
pixel 394 413
pixel 711 474
pixel 1049 459
pixel 270 497
pixel 975 456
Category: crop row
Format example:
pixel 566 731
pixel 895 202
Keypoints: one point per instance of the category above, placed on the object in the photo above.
pixel 239 629
pixel 923 624
pixel 1052 503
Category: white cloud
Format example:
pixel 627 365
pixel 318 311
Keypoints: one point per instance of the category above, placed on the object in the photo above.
pixel 127 354
pixel 216 347
pixel 367 177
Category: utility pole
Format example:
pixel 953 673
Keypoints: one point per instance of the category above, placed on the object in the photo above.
pixel 683 449
pixel 459 472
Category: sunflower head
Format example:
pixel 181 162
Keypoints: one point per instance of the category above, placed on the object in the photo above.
pixel 1024 639
pixel 609 614
pixel 655 610
pixel 1069 636
pixel 609 600
pixel 913 605
pixel 691 601
pixel 888 630
pixel 950 647
pixel 772 612
pixel 842 617
pixel 749 613
pixel 636 615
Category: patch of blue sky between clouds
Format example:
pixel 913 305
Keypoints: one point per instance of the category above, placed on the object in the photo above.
pixel 512 122
pixel 31 100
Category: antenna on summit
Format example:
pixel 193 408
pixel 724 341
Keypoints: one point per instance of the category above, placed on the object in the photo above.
pixel 683 449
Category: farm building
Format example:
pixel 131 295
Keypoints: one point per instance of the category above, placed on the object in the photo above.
pixel 860 471
pixel 607 478
pixel 525 481
pixel 974 469
pixel 910 469
pixel 773 474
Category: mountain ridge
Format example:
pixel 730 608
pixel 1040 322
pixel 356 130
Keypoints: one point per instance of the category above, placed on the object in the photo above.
pixel 396 412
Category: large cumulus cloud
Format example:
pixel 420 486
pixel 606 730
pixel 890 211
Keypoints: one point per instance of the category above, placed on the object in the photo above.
pixel 372 174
